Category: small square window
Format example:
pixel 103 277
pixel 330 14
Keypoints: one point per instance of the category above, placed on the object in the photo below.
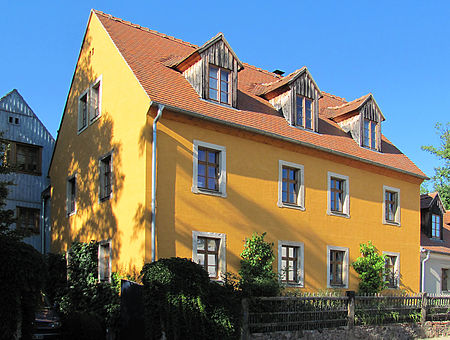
pixel 290 262
pixel 219 84
pixel 104 261
pixel 16 121
pixel 392 269
pixel 338 195
pixel 291 191
pixel 10 119
pixel 337 266
pixel 209 251
pixel 28 219
pixel 209 169
pixel 71 195
pixel 25 158
pixel 106 177
pixel 391 205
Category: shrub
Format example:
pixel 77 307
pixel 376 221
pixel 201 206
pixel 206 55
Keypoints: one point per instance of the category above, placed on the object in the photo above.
pixel 56 277
pixel 370 267
pixel 257 275
pixel 21 280
pixel 181 302
pixel 84 294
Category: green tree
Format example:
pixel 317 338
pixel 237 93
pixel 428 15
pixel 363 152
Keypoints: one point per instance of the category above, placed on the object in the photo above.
pixel 370 268
pixel 441 178
pixel 257 275
pixel 6 215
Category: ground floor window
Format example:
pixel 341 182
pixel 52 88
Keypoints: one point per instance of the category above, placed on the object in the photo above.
pixel 209 251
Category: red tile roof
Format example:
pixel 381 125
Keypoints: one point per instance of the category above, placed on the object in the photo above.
pixel 147 52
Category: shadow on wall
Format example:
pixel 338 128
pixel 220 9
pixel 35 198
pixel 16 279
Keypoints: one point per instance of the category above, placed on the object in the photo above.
pixel 80 154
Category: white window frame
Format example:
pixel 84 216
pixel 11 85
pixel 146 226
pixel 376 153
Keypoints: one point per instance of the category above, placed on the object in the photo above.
pixel 101 173
pixel 398 212
pixel 101 246
pixel 313 121
pixel 222 169
pixel 346 204
pixel 344 266
pixel 222 255
pixel 98 82
pixel 301 192
pixel 68 180
pixel 396 268
pixel 300 261
pixel 80 127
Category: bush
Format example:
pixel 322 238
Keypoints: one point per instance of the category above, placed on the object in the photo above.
pixel 55 286
pixel 21 280
pixel 370 267
pixel 257 275
pixel 84 294
pixel 82 326
pixel 181 302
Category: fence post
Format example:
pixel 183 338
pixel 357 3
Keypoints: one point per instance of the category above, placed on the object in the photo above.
pixel 423 317
pixel 351 308
pixel 244 329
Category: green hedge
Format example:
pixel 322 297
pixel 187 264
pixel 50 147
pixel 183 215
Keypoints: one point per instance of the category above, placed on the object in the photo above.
pixel 181 302
pixel 22 273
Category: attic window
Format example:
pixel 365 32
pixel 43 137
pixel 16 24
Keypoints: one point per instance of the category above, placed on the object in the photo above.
pixel 304 110
pixel 219 84
pixel 370 128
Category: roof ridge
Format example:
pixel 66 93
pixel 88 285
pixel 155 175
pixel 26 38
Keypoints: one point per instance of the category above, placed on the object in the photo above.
pixel 145 29
pixel 334 96
pixel 263 71
pixel 348 103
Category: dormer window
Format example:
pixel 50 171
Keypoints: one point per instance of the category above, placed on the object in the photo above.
pixel 370 139
pixel 219 84
pixel 304 112
pixel 435 226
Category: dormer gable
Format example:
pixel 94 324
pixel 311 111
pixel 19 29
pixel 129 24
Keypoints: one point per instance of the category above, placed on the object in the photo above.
pixel 212 70
pixel 361 118
pixel 297 97
pixel 432 214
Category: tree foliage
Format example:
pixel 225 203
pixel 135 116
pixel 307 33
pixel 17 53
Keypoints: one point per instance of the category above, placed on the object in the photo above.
pixel 370 268
pixel 257 275
pixel 441 178
pixel 6 215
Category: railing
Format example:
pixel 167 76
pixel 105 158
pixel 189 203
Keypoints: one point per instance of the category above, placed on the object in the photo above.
pixel 261 315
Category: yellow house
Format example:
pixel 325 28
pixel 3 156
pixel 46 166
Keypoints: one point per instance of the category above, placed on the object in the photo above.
pixel 238 150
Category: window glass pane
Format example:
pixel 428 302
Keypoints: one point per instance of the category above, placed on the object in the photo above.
pixel 212 157
pixel 224 75
pixel 211 245
pixel 213 94
pixel 284 186
pixel 201 155
pixel 292 174
pixel 292 187
pixel 285 173
pixel 211 172
pixel 283 253
pixel 224 87
pixel 200 243
pixel 201 259
pixel 212 271
pixel 223 97
pixel 211 260
pixel 213 71
pixel 212 185
pixel 201 170
pixel 201 181
pixel 284 196
pixel 291 252
pixel 292 197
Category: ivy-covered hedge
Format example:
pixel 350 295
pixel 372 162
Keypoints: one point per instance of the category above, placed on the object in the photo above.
pixel 22 274
pixel 88 306
pixel 181 302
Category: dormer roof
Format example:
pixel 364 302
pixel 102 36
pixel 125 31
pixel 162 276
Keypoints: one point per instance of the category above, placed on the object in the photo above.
pixel 265 89
pixel 146 53
pixel 195 55
pixel 349 107
pixel 427 200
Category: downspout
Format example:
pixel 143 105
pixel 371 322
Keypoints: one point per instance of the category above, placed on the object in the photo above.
pixel 423 267
pixel 155 122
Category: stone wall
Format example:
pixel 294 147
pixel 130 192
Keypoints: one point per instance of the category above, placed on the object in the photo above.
pixel 387 332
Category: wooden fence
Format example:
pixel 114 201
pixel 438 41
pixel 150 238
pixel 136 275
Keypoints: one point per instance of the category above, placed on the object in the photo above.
pixel 273 314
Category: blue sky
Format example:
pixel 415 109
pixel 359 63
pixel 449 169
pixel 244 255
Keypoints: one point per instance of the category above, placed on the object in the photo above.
pixel 398 50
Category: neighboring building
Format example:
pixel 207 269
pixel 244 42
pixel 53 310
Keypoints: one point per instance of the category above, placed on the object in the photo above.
pixel 239 150
pixel 29 152
pixel 435 244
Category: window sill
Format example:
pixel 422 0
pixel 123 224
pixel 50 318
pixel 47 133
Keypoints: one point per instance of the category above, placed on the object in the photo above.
pixel 105 199
pixel 304 129
pixel 290 206
pixel 93 120
pixel 335 286
pixel 71 213
pixel 82 129
pixel 395 224
pixel 337 214
pixel 197 190
pixel 293 285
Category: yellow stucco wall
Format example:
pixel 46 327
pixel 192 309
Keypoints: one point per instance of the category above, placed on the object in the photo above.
pixel 251 203
pixel 121 128
pixel 252 184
